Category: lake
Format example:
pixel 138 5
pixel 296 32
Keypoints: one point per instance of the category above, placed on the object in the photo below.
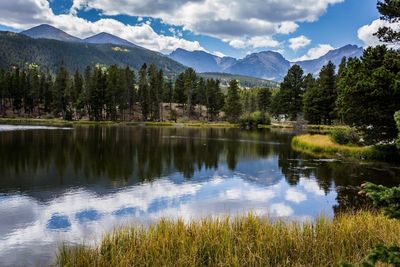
pixel 61 185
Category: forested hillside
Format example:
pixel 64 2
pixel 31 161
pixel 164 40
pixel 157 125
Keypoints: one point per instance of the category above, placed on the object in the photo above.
pixel 20 50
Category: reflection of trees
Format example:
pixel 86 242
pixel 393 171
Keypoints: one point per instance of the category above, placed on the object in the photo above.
pixel 122 155
pixel 115 156
pixel 344 177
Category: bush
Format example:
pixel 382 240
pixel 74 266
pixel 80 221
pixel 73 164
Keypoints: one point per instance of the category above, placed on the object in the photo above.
pixel 345 136
pixel 252 120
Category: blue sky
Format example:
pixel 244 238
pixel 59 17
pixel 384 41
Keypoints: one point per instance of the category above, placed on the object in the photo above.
pixel 297 29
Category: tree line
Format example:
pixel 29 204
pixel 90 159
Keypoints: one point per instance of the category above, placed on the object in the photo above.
pixel 114 93
pixel 363 93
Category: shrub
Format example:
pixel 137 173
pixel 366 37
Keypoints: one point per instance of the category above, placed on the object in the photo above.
pixel 345 136
pixel 252 120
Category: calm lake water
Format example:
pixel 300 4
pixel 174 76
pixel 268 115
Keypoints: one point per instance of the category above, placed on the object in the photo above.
pixel 73 185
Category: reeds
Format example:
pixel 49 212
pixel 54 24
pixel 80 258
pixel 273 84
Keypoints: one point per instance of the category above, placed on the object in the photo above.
pixel 241 241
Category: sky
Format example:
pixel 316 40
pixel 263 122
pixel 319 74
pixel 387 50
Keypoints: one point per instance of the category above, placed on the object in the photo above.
pixel 298 29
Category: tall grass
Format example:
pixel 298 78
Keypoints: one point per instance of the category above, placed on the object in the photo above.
pixel 322 145
pixel 243 241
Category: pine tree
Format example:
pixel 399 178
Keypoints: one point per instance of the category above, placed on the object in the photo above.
pixel 327 85
pixel 370 95
pixel 233 108
pixel 143 92
pixel 201 98
pixel 390 12
pixel 179 92
pixel 190 84
pixel 263 99
pixel 291 92
pixel 60 86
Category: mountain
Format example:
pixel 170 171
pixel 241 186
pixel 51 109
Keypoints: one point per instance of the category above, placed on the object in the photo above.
pixel 19 50
pixel 106 38
pixel 202 61
pixel 49 32
pixel 335 56
pixel 265 65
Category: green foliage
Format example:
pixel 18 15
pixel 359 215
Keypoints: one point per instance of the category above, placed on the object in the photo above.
pixel 384 197
pixel 345 136
pixel 383 254
pixel 214 99
pixel 397 119
pixel 320 96
pixel 252 120
pixel 233 108
pixel 369 94
pixel 291 90
pixel 264 99
pixel 390 12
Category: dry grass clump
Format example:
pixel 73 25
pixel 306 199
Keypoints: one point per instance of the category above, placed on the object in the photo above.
pixel 322 145
pixel 244 241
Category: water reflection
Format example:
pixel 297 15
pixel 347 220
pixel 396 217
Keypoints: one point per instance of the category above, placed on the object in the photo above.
pixel 72 186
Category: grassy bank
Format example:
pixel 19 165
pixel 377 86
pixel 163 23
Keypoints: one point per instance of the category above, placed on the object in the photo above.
pixel 248 241
pixel 52 122
pixel 191 124
pixel 323 146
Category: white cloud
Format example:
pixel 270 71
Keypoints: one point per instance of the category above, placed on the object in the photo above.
pixel 295 196
pixel 281 210
pixel 299 42
pixel 23 14
pixel 255 42
pixel 224 19
pixel 311 186
pixel 366 32
pixel 316 52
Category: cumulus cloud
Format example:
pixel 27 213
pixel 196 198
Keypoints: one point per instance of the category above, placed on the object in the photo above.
pixel 299 42
pixel 316 52
pixel 225 19
pixel 295 196
pixel 366 32
pixel 23 14
pixel 255 42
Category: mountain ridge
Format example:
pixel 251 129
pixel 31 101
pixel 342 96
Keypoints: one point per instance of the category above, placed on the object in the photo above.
pixel 21 50
pixel 264 64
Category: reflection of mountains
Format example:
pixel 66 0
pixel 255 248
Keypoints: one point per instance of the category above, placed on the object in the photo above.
pixel 101 158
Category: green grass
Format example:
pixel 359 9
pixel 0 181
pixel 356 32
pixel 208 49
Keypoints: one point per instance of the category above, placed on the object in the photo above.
pixel 244 241
pixel 323 146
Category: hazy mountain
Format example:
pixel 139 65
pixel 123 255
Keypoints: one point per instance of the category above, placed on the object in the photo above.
pixel 265 65
pixel 106 38
pixel 49 32
pixel 314 66
pixel 19 50
pixel 201 61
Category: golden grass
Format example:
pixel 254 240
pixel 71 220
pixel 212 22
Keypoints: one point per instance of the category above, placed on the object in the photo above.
pixel 322 145
pixel 244 241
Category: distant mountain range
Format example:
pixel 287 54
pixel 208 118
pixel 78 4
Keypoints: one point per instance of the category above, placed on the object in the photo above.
pixel 266 65
pixel 47 46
